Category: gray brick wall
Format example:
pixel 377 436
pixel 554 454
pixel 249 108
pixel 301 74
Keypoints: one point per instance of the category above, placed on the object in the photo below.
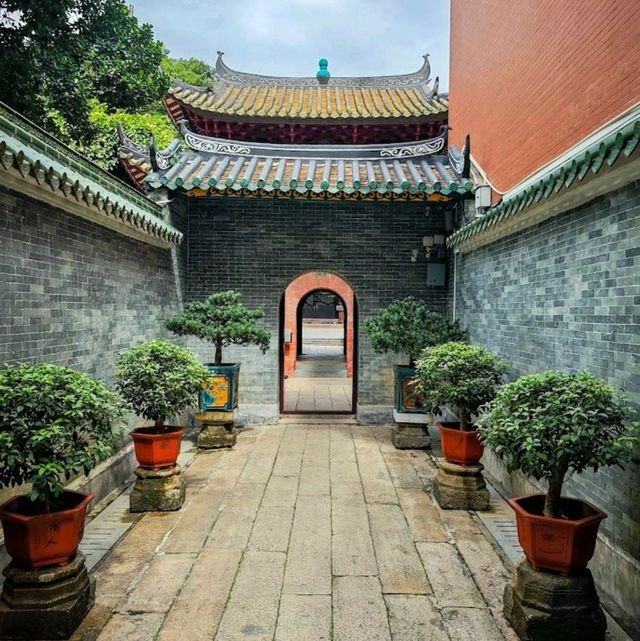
pixel 259 246
pixel 566 295
pixel 75 293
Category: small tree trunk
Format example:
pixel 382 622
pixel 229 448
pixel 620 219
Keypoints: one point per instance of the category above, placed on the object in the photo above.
pixel 462 416
pixel 159 424
pixel 218 359
pixel 554 493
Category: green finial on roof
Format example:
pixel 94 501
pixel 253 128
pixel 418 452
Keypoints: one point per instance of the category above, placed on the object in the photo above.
pixel 323 74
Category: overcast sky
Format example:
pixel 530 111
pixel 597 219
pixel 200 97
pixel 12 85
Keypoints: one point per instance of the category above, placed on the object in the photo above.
pixel 286 37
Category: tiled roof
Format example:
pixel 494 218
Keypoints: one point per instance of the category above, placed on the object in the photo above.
pixel 605 154
pixel 36 163
pixel 419 170
pixel 253 96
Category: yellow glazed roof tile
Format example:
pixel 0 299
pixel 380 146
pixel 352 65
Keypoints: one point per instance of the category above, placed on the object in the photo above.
pixel 245 94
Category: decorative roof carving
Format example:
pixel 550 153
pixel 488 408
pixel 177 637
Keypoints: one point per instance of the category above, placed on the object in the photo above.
pixel 198 142
pixel 422 149
pixel 418 78
pixel 227 167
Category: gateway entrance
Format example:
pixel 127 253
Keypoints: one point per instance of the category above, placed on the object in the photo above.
pixel 317 345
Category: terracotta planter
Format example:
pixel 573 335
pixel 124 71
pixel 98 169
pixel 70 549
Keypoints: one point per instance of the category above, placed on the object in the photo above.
pixel 560 545
pixel 155 451
pixel 52 538
pixel 459 446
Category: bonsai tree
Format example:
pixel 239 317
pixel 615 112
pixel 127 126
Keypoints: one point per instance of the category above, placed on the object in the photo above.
pixel 546 425
pixel 459 375
pixel 158 380
pixel 222 319
pixel 54 423
pixel 407 326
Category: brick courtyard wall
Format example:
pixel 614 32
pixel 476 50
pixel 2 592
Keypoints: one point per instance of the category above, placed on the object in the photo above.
pixel 566 295
pixel 531 79
pixel 260 246
pixel 75 293
pixel 296 292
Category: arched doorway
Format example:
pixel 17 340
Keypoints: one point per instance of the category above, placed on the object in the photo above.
pixel 317 343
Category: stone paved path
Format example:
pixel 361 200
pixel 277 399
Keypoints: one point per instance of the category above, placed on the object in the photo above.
pixel 311 530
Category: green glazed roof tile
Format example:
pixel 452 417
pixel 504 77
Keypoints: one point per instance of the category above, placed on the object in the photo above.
pixel 36 155
pixel 623 142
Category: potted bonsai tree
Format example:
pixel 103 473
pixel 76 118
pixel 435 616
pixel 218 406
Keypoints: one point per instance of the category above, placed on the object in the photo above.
pixel 221 319
pixel 461 377
pixel 158 380
pixel 546 425
pixel 54 423
pixel 408 327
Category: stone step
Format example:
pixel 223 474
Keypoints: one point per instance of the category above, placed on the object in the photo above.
pixel 317 419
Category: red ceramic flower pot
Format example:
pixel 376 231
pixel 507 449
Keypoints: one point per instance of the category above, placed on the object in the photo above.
pixel 35 540
pixel 560 545
pixel 460 446
pixel 156 449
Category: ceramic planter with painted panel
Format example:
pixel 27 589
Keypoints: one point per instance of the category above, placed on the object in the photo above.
pixel 221 388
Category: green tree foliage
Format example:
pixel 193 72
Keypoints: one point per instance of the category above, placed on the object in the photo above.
pixel 462 376
pixel 407 326
pixel 56 56
pixel 139 127
pixel 189 70
pixel 548 424
pixel 222 319
pixel 54 423
pixel 159 379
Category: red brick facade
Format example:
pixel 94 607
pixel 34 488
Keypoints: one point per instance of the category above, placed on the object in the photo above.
pixel 297 291
pixel 531 78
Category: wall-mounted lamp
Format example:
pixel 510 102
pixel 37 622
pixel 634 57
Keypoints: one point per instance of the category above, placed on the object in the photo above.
pixel 434 246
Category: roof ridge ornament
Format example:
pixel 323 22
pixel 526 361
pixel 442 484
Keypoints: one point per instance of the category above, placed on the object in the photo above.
pixel 323 74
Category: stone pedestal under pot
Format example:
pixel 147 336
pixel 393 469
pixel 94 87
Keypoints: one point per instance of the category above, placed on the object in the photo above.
pixel 545 606
pixel 157 490
pixel 411 436
pixel 461 487
pixel 45 603
pixel 218 429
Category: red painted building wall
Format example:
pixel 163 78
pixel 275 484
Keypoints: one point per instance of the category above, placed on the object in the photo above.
pixel 531 78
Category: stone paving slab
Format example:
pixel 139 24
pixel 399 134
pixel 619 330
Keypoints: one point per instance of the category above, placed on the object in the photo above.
pixel 413 617
pixel 198 608
pixel 252 609
pixel 359 611
pixel 306 531
pixel 309 557
pixel 351 543
pixel 401 571
pixel 303 617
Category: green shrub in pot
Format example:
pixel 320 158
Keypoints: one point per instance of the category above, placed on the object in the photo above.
pixel 223 320
pixel 463 378
pixel 159 379
pixel 407 326
pixel 55 423
pixel 547 425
